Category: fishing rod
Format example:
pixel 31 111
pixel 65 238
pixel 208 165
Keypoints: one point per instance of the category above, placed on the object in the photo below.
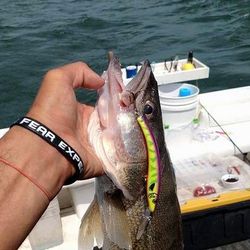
pixel 231 140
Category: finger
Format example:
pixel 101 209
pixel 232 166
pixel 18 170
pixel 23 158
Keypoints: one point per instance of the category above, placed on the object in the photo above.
pixel 76 75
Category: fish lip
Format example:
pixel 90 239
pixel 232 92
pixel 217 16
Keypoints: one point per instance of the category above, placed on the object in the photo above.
pixel 114 72
pixel 139 82
pixel 114 62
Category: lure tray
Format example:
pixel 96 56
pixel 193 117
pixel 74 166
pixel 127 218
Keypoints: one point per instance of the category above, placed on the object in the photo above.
pixel 165 73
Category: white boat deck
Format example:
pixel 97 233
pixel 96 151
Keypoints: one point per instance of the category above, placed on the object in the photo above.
pixel 229 107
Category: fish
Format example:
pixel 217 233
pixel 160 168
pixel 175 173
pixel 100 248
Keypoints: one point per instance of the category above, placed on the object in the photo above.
pixel 126 132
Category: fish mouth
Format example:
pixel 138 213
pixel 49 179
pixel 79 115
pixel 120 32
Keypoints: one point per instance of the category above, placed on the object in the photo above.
pixel 127 94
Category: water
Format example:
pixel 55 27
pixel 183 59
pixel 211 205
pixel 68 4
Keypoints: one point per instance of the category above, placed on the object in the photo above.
pixel 38 35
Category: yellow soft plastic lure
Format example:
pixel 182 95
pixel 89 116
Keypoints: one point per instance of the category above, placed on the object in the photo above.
pixel 153 177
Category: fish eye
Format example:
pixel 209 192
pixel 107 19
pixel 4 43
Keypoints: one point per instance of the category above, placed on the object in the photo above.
pixel 148 109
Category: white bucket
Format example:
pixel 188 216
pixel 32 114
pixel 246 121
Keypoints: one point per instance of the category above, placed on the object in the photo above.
pixel 179 115
pixel 169 93
pixel 178 110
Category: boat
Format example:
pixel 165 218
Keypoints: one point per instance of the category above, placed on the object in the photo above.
pixel 214 145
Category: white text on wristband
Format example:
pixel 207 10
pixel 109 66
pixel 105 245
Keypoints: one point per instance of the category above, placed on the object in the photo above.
pixel 56 141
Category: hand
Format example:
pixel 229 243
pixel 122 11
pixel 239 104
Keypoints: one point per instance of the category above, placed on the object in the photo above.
pixel 56 107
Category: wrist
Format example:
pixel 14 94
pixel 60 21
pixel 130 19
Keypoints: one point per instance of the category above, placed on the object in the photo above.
pixel 56 141
pixel 36 158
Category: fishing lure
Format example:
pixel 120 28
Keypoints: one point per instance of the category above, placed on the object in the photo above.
pixel 153 176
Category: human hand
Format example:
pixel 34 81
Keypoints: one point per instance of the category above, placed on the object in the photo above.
pixel 56 107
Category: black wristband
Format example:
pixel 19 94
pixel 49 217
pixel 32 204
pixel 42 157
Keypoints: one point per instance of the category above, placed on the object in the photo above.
pixel 57 142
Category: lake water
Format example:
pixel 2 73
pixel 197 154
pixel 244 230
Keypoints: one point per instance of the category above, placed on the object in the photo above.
pixel 38 35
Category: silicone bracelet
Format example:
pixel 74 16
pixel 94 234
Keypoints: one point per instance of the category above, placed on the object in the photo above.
pixel 56 141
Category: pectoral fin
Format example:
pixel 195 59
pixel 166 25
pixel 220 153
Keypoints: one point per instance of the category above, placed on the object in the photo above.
pixel 116 222
pixel 90 232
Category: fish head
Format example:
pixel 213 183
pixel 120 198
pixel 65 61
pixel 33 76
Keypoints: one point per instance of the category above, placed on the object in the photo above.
pixel 142 93
pixel 114 131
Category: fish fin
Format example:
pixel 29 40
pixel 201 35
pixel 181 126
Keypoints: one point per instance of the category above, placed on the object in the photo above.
pixel 143 225
pixel 116 222
pixel 90 232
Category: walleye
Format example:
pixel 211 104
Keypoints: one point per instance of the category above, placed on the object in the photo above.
pixel 126 131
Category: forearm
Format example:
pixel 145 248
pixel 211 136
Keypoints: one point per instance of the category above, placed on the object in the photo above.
pixel 21 202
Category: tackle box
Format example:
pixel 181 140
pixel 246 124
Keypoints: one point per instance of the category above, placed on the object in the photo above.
pixel 217 226
pixel 222 217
